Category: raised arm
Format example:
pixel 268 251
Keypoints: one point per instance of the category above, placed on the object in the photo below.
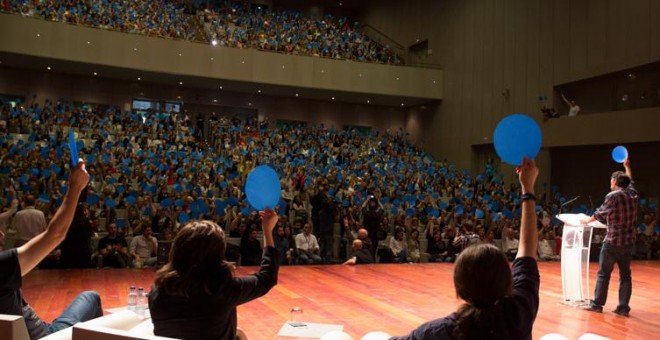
pixel 31 253
pixel 626 165
pixel 528 245
pixel 565 100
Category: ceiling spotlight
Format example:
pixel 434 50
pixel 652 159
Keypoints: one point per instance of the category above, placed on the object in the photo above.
pixel 282 66
pixel 258 91
pixel 135 49
pixel 242 61
pixel 215 100
pixel 38 35
pixel 180 83
pixel 211 58
pixel 89 42
pixel 360 75
pixel 631 76
pixel 221 87
pixel 397 78
pixel 178 97
pixel 139 78
pixel 434 82
pixel 402 105
pixel 95 73
pixel 296 95
pixel 368 101
pixel 249 104
pixel 333 98
pixel 214 42
pixel 322 71
pixel 48 68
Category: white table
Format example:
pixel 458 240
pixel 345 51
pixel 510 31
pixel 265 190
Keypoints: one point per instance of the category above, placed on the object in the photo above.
pixel 309 331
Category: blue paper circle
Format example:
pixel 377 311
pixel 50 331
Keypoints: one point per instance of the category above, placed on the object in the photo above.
pixel 183 217
pixel 263 188
pixel 619 154
pixel 131 200
pixel 517 136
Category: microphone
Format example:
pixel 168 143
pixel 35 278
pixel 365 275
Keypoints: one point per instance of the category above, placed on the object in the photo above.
pixel 568 202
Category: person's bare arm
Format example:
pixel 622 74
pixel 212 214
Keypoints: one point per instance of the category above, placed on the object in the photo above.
pixel 268 221
pixel 626 165
pixel 31 253
pixel 528 244
pixel 565 100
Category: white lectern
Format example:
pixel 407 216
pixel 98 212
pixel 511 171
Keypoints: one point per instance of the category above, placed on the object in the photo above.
pixel 575 248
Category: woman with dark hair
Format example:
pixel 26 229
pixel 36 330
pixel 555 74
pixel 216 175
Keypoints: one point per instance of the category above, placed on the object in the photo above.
pixel 195 294
pixel 500 302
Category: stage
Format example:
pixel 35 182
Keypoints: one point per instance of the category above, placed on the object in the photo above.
pixel 393 298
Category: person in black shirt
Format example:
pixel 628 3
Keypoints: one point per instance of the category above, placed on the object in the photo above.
pixel 500 303
pixel 250 248
pixel 372 216
pixel 113 249
pixel 18 262
pixel 360 254
pixel 195 294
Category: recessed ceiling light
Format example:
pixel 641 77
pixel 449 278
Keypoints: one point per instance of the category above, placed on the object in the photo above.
pixel 333 98
pixel 179 54
pixel 283 67
pixel 139 78
pixel 322 71
pixel 402 105
pixel 221 87
pixel 360 75
pixel 215 100
pixel 249 104
pixel 368 101
pixel 180 83
pixel 135 49
pixel 89 42
pixel 48 68
pixel 434 82
pixel 96 74
pixel 38 35
pixel 178 97
pixel 397 78
pixel 211 58
pixel 258 91
pixel 214 42
pixel 296 95
pixel 242 61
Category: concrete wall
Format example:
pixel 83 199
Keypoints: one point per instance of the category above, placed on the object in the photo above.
pixel 527 47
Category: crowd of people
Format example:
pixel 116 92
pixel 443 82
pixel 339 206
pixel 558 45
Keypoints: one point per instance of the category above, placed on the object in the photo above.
pixel 154 18
pixel 226 24
pixel 151 173
pixel 237 25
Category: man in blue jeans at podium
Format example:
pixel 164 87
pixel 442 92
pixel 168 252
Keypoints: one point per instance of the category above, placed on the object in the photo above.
pixel 17 262
pixel 619 213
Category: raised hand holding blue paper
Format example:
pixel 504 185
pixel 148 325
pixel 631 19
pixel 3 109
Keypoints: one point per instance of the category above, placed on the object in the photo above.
pixel 73 148
pixel 517 136
pixel 262 188
pixel 619 154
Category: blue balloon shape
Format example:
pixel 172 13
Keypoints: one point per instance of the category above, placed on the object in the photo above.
pixel 517 136
pixel 619 154
pixel 263 188
pixel 184 218
pixel 131 200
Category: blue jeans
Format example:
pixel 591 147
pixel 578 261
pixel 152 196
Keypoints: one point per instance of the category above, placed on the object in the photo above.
pixel 86 306
pixel 621 255
pixel 309 258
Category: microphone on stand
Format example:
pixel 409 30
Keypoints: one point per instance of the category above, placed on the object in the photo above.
pixel 568 202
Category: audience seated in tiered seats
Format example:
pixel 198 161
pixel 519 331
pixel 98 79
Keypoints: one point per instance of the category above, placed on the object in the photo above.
pixel 154 170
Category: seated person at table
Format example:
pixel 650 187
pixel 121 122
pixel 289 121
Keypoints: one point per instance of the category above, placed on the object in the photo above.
pixel 113 249
pixel 18 262
pixel 143 249
pixel 500 302
pixel 195 294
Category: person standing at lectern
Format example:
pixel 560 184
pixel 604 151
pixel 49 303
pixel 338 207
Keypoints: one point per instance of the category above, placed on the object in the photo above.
pixel 619 213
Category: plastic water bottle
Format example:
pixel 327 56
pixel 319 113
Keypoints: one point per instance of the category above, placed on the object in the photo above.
pixel 132 299
pixel 142 303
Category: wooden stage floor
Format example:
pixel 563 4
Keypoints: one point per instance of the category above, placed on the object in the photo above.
pixel 393 298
